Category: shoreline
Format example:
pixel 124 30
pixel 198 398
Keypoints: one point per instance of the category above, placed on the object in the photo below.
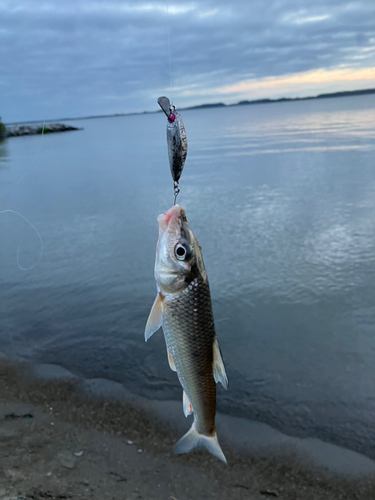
pixel 110 425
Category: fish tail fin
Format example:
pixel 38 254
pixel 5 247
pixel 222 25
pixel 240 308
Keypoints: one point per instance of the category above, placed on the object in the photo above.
pixel 192 440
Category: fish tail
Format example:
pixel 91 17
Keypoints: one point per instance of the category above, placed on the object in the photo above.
pixel 192 440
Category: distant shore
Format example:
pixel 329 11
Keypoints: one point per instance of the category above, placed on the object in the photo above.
pixel 346 93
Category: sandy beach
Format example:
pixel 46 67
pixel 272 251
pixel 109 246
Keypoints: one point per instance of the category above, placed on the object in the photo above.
pixel 57 442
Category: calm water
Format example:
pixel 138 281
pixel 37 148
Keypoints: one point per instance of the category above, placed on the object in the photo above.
pixel 282 199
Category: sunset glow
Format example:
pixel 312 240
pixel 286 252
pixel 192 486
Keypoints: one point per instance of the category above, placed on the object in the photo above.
pixel 276 85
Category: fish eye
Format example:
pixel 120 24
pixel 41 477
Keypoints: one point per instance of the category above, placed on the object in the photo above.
pixel 182 252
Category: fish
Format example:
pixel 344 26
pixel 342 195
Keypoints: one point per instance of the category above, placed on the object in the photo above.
pixel 176 138
pixel 183 308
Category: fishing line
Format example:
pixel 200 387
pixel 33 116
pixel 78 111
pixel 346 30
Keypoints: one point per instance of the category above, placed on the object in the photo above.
pixel 35 158
pixel 176 188
pixel 169 52
pixel 21 385
pixel 22 216
pixel 8 210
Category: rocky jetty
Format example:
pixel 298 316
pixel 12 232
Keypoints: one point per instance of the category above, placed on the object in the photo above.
pixel 38 128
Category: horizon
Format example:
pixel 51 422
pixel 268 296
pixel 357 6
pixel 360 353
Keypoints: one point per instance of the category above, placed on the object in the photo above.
pixel 206 105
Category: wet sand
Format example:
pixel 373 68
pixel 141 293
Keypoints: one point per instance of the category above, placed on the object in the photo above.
pixel 63 438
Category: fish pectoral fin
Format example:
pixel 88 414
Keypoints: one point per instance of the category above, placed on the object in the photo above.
pixel 155 318
pixel 188 409
pixel 220 375
pixel 171 362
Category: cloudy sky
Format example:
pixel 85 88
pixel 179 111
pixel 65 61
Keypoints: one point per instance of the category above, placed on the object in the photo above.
pixel 81 57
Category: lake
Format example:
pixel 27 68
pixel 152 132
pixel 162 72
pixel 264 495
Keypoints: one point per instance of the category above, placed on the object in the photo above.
pixel 282 199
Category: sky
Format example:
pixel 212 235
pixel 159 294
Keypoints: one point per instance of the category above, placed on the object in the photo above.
pixel 76 58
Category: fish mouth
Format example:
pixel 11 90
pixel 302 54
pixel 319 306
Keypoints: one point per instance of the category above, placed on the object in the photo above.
pixel 172 217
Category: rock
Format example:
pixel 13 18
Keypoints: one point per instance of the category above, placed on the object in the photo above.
pixel 66 459
pixel 39 128
pixel 12 497
pixel 14 416
pixel 6 433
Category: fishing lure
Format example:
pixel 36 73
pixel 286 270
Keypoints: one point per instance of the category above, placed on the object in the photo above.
pixel 176 141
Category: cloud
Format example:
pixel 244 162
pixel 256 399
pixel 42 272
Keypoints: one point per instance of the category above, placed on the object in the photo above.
pixel 78 57
pixel 301 18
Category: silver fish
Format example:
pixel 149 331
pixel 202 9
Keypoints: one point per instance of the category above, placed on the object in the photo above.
pixel 183 307
pixel 176 138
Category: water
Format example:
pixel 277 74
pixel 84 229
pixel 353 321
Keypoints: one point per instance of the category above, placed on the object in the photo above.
pixel 282 200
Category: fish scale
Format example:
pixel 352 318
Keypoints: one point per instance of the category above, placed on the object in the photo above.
pixel 189 333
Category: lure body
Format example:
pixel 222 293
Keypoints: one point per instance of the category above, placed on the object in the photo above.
pixel 176 138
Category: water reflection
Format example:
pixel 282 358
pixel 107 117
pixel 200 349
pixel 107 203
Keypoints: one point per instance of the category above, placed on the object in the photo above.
pixel 340 131
pixel 288 241
pixel 3 153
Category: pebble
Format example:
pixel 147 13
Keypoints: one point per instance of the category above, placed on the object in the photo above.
pixel 13 498
pixel 66 459
pixel 6 433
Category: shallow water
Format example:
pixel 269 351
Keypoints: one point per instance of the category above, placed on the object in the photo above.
pixel 282 200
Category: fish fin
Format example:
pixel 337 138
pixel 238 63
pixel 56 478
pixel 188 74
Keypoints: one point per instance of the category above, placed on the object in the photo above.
pixel 220 375
pixel 155 318
pixel 188 409
pixel 171 362
pixel 195 441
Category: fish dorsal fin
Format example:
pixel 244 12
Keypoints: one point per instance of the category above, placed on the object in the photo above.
pixel 171 362
pixel 188 409
pixel 155 318
pixel 220 374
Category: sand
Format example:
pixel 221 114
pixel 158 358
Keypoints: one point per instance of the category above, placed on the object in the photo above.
pixel 58 441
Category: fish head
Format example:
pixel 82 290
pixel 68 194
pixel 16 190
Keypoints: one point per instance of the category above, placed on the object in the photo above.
pixel 178 254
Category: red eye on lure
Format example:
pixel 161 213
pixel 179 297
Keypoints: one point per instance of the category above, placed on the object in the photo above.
pixel 171 118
